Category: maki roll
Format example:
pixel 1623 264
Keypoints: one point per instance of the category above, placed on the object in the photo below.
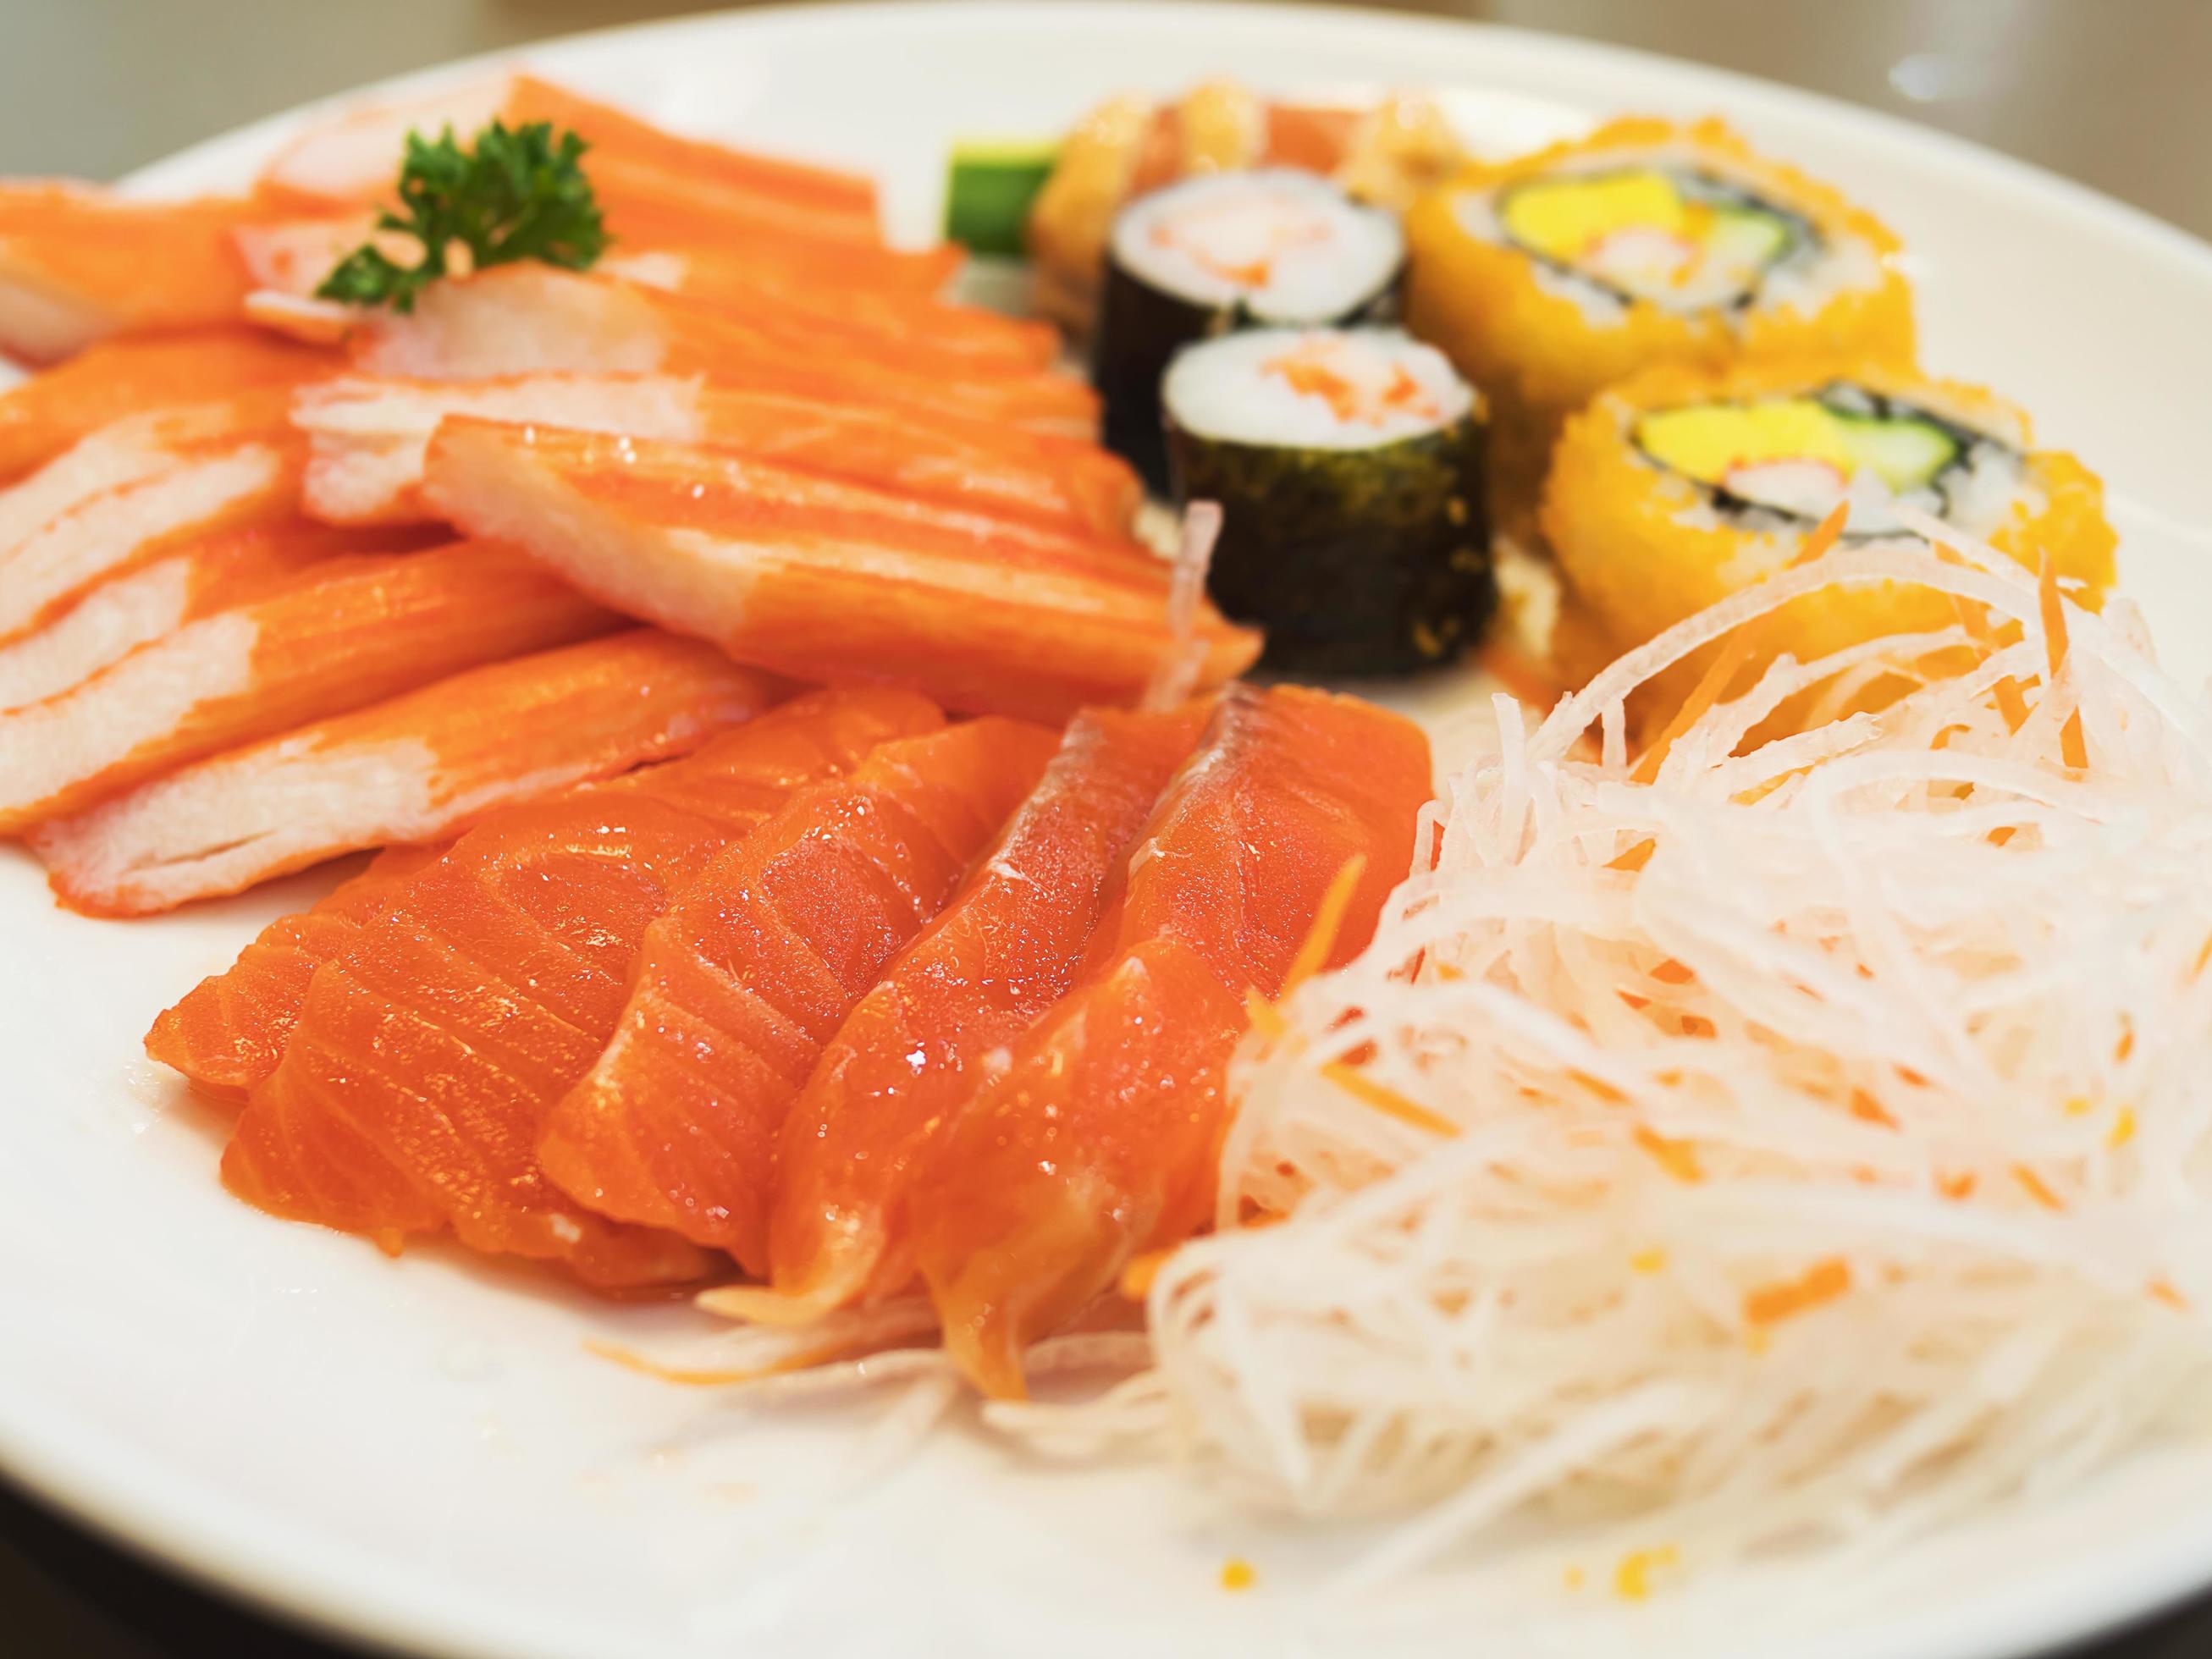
pixel 1348 465
pixel 1550 278
pixel 1225 251
pixel 1676 487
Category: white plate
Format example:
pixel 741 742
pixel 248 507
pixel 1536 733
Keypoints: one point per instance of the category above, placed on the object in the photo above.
pixel 421 1451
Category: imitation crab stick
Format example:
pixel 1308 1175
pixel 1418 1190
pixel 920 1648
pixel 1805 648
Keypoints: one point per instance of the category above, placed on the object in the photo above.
pixel 354 157
pixel 229 1030
pixel 530 319
pixel 409 770
pixel 1096 1139
pixel 423 1054
pixel 1003 950
pixel 740 986
pixel 823 580
pixel 366 439
pixel 139 487
pixel 200 578
pixel 363 629
pixel 49 412
pixel 78 263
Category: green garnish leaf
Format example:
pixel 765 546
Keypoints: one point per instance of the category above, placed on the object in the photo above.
pixel 515 194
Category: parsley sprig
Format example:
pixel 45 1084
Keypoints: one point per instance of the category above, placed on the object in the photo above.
pixel 515 194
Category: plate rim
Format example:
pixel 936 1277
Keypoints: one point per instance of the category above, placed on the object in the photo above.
pixel 198 1532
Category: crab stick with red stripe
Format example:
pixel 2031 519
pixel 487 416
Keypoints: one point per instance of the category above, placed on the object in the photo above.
pixel 828 580
pixel 136 488
pixel 362 630
pixel 413 768
pixel 368 436
pixel 1096 1139
pixel 49 412
pixel 530 319
pixel 78 263
pixel 115 617
pixel 740 985
pixel 355 157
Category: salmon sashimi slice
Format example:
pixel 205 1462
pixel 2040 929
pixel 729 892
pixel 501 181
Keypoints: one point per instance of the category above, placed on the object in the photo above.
pixel 413 768
pixel 745 979
pixel 229 1031
pixel 48 413
pixel 367 439
pixel 1002 952
pixel 529 320
pixel 1098 1138
pixel 139 487
pixel 355 157
pixel 365 628
pixel 78 263
pixel 118 615
pixel 426 1053
pixel 827 580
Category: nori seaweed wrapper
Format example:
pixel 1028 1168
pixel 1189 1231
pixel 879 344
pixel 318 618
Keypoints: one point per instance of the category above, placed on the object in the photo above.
pixel 1140 329
pixel 1371 561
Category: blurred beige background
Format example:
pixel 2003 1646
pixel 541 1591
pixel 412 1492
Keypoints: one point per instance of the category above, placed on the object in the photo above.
pixel 2116 93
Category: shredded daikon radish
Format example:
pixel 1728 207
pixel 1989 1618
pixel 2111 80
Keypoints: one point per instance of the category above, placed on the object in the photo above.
pixel 1803 1148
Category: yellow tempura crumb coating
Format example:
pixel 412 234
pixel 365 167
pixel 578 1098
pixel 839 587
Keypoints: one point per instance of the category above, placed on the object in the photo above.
pixel 1641 548
pixel 1518 331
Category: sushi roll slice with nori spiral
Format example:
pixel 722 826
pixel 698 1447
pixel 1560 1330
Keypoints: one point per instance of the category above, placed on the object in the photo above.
pixel 1348 465
pixel 1224 251
pixel 1550 278
pixel 1676 489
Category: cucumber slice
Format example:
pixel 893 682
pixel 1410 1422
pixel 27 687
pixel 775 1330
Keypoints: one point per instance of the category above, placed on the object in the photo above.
pixel 1905 454
pixel 989 192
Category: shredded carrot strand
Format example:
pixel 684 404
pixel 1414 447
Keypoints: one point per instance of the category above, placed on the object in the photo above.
pixel 1640 854
pixel 1328 924
pixel 1387 1101
pixel 2073 747
pixel 1956 1188
pixel 1865 1107
pixel 1137 1277
pixel 2163 1289
pixel 1679 1158
pixel 1265 1017
pixel 2123 1130
pixel 2037 1187
pixel 1823 1281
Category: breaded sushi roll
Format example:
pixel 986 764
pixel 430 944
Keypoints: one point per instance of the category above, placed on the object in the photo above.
pixel 1348 466
pixel 1677 488
pixel 1224 251
pixel 1553 276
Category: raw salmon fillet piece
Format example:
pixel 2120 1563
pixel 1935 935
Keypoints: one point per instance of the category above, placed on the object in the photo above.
pixel 414 769
pixel 78 263
pixel 229 1031
pixel 1099 1136
pixel 358 630
pixel 747 977
pixel 368 438
pixel 1002 952
pixel 411 1094
pixel 821 578
pixel 49 412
